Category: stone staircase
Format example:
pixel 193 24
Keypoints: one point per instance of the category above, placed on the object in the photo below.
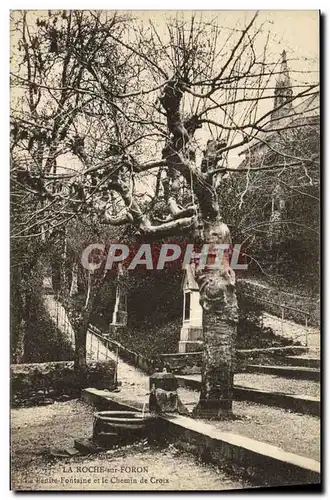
pixel 293 385
pixel 303 367
pixel 307 361
pixel 300 372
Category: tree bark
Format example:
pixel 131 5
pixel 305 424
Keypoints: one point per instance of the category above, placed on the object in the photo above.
pixel 220 316
pixel 80 355
pixel 64 286
pixel 19 350
pixel 81 320
pixel 74 280
pixel 217 286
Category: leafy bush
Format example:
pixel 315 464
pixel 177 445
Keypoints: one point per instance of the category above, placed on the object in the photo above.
pixel 31 383
pixel 150 339
pixel 44 341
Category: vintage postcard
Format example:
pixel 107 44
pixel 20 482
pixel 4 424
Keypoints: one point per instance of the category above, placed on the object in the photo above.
pixel 165 226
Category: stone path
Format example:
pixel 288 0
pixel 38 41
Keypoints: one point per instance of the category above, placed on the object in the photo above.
pixel 134 383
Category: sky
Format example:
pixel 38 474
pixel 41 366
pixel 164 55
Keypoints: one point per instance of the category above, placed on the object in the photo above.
pixel 295 31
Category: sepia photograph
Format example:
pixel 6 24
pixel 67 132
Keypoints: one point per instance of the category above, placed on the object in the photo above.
pixel 165 250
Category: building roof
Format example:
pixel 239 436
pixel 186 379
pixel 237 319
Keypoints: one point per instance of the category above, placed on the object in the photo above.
pixel 306 111
pixel 189 282
pixel 303 114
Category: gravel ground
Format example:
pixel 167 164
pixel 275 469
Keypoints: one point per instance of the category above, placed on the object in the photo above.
pixel 36 430
pixel 292 432
pixel 278 384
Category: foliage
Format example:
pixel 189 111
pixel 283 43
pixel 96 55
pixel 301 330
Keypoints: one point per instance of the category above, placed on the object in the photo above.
pixel 34 337
pixel 251 334
pixel 114 123
pixel 152 338
pixel 44 341
pixel 32 383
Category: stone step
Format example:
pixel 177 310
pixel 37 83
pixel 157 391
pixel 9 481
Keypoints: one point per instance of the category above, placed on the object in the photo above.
pixel 309 362
pixel 272 463
pixel 299 403
pixel 296 403
pixel 300 372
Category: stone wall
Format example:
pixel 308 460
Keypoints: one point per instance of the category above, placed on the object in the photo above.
pixel 188 363
pixel 43 383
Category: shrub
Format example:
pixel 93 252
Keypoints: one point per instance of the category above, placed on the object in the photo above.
pixel 57 378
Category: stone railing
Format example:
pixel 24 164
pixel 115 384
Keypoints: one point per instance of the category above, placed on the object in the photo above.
pixel 190 363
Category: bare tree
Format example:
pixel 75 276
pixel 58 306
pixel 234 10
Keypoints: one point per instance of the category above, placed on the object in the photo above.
pixel 167 112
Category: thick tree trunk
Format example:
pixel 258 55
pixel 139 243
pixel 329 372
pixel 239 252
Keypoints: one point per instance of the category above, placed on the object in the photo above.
pixel 82 321
pixel 74 280
pixel 217 286
pixel 19 349
pixel 217 367
pixel 220 314
pixel 80 361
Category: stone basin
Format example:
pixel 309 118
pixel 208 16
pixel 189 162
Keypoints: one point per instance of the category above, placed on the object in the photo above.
pixel 115 427
pixel 124 419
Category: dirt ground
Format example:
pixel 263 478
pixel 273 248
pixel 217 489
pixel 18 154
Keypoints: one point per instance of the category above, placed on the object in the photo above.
pixel 290 431
pixel 137 467
pixel 293 432
pixel 274 383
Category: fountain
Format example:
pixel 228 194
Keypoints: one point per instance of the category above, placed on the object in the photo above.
pixel 121 427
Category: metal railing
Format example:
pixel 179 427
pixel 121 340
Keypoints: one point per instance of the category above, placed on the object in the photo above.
pixel 104 342
pixel 100 348
pixel 284 307
pixel 62 321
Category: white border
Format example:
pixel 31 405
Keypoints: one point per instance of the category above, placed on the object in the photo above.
pixel 4 184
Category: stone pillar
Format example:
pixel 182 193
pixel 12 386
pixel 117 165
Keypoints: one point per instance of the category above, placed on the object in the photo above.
pixel 191 335
pixel 164 395
pixel 119 316
pixel 74 281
